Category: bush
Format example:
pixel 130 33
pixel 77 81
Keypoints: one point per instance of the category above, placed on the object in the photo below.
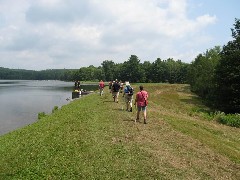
pixel 55 108
pixel 41 115
pixel 228 119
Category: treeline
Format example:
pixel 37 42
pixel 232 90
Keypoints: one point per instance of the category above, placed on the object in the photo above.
pixel 215 75
pixel 22 74
pixel 160 71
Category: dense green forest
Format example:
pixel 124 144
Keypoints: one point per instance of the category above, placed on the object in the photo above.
pixel 22 74
pixel 213 75
pixel 134 71
pixel 131 70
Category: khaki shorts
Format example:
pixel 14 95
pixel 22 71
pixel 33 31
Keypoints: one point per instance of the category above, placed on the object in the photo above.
pixel 128 98
pixel 115 93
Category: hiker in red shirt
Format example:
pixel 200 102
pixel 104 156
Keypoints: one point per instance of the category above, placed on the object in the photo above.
pixel 141 101
pixel 101 87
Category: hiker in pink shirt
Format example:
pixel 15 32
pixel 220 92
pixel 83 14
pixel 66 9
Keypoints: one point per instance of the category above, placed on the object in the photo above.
pixel 142 101
pixel 101 87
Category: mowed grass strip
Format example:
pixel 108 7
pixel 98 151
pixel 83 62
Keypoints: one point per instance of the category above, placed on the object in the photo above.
pixel 95 138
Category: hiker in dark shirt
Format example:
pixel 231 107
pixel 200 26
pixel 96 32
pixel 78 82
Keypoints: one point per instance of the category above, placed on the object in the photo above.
pixel 75 85
pixel 115 90
pixel 110 86
pixel 78 85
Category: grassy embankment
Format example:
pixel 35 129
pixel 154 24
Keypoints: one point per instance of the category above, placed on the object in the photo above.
pixel 93 138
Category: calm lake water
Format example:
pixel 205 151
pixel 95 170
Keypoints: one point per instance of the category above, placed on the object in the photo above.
pixel 21 101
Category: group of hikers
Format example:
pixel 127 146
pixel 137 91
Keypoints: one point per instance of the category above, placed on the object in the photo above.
pixel 77 85
pixel 141 99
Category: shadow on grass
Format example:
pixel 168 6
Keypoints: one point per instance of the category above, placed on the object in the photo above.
pixel 108 101
pixel 129 120
pixel 185 89
pixel 198 105
pixel 194 100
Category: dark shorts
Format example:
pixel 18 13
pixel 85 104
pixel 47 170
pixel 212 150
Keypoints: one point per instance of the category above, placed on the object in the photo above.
pixel 142 108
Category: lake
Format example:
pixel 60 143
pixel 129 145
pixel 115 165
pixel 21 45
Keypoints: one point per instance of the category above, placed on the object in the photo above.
pixel 22 100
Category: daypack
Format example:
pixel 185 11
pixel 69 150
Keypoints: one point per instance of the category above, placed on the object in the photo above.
pixel 130 90
pixel 116 87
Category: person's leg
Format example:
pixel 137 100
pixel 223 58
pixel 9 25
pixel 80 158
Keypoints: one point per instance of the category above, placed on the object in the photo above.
pixel 138 112
pixel 145 115
pixel 127 106
pixel 114 96
pixel 126 101
pixel 102 92
pixel 130 103
pixel 117 94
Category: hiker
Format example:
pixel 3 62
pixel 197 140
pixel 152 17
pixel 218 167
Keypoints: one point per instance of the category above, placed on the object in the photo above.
pixel 110 86
pixel 78 85
pixel 121 86
pixel 75 85
pixel 115 90
pixel 141 101
pixel 128 94
pixel 101 87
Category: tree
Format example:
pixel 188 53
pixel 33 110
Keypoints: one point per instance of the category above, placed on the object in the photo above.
pixel 108 69
pixel 99 74
pixel 172 70
pixel 158 71
pixel 147 75
pixel 182 72
pixel 228 74
pixel 201 74
pixel 132 69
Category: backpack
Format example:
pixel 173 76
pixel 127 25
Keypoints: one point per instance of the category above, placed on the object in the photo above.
pixel 130 90
pixel 116 87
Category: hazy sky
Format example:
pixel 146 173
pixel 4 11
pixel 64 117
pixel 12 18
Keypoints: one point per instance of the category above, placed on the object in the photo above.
pixel 53 34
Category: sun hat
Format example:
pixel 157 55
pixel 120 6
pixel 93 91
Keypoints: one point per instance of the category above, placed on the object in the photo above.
pixel 127 83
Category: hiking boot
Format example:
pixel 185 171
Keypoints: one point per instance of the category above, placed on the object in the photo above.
pixel 131 109
pixel 137 120
pixel 145 121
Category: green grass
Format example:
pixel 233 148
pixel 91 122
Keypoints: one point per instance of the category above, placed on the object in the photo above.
pixel 93 138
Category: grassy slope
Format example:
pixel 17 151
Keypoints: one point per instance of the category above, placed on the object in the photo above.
pixel 93 138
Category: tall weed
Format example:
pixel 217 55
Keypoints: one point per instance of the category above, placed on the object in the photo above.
pixel 41 115
pixel 228 119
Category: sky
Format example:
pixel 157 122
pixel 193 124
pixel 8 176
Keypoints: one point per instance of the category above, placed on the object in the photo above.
pixel 70 34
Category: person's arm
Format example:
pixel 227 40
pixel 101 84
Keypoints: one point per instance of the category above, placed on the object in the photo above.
pixel 136 99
